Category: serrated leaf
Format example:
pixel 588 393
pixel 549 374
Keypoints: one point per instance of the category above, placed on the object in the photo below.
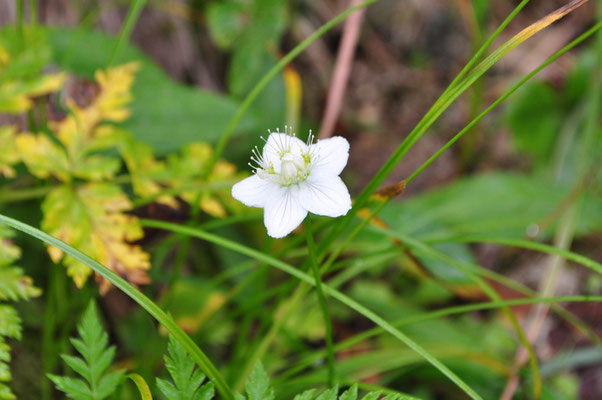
pixel 6 393
pixel 350 394
pixel 42 156
pixel 206 392
pixel 186 380
pixel 372 396
pixel 92 218
pixel 258 385
pixel 8 251
pixel 10 323
pixel 145 171
pixel 329 394
pixel 109 383
pixel 14 285
pixel 74 388
pixel 307 395
pixel 97 358
pixel 186 171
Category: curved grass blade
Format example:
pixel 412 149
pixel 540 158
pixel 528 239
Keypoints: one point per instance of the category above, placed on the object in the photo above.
pixel 525 244
pixel 352 341
pixel 143 389
pixel 445 100
pixel 163 318
pixel 289 269
pixel 225 137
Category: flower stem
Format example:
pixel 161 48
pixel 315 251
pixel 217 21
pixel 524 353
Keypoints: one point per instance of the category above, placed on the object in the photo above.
pixel 311 248
pixel 135 9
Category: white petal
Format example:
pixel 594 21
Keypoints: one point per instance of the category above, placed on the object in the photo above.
pixel 254 191
pixel 331 155
pixel 278 142
pixel 325 195
pixel 282 212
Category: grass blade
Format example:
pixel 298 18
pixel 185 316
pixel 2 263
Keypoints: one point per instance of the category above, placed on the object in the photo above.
pixel 349 302
pixel 163 318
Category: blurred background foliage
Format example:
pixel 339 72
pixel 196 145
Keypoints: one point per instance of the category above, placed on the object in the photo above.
pixel 93 139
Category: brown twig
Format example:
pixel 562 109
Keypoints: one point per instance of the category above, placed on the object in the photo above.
pixel 341 71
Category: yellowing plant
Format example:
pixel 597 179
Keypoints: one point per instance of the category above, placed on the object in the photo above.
pixel 88 209
pixel 91 215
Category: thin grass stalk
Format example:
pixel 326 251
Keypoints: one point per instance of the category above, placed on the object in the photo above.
pixel 476 120
pixel 465 130
pixel 33 12
pixel 227 134
pixel 126 29
pixel 321 300
pixel 440 106
pixel 163 318
pixel 349 302
pixel 426 316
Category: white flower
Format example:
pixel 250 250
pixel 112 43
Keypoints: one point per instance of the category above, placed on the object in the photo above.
pixel 292 178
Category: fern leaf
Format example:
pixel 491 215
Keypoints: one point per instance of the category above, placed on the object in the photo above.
pixel 10 323
pixel 187 382
pixel 14 285
pixel 307 395
pixel 258 385
pixel 372 396
pixel 97 358
pixel 350 394
pixel 330 394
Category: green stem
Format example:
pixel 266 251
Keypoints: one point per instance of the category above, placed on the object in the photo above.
pixel 503 97
pixel 33 12
pixel 161 316
pixel 335 294
pixel 445 100
pixel 20 33
pixel 126 29
pixel 225 137
pixel 352 341
pixel 322 301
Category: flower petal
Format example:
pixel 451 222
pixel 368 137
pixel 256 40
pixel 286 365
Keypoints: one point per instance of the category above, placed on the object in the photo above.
pixel 281 142
pixel 331 155
pixel 254 191
pixel 325 195
pixel 283 213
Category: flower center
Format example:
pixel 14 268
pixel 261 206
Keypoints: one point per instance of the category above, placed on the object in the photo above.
pixel 295 166
pixel 292 168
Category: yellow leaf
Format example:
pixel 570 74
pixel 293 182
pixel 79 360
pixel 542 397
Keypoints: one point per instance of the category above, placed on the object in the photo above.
pixel 146 172
pixel 115 91
pixel 42 156
pixel 9 154
pixel 212 207
pixel 92 219
pixel 15 95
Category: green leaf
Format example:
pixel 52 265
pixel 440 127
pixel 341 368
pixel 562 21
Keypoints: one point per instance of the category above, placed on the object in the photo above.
pixel 307 395
pixel 164 114
pixel 97 358
pixel 534 117
pixel 330 394
pixel 14 285
pixel 226 21
pixel 186 380
pixel 258 385
pixel 74 388
pixel 350 394
pixel 500 204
